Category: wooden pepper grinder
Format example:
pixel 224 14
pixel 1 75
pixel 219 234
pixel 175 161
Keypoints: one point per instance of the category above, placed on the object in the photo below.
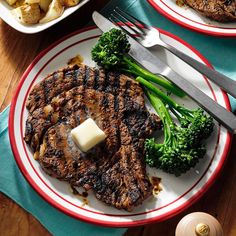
pixel 198 224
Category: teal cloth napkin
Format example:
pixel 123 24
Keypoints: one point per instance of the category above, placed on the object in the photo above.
pixel 220 52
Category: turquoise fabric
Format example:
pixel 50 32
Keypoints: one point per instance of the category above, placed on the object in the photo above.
pixel 219 51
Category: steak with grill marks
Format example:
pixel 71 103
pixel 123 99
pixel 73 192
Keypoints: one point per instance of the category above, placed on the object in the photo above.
pixel 77 75
pixel 219 10
pixel 114 169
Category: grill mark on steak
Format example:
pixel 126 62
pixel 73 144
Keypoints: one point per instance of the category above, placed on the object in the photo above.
pixel 86 75
pixel 105 84
pixel 96 79
pixel 218 10
pixel 115 169
pixel 75 76
pixel 117 108
pixel 116 85
pixel 111 81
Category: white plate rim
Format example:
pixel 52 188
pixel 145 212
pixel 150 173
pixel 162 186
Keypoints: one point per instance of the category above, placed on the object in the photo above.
pixel 160 6
pixel 100 221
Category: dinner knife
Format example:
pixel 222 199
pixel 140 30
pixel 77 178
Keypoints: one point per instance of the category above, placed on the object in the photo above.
pixel 152 63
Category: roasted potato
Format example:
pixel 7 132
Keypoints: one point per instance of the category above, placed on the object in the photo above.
pixel 39 11
pixel 19 3
pixel 11 2
pixel 70 3
pixel 54 11
pixel 31 1
pixel 28 14
pixel 44 4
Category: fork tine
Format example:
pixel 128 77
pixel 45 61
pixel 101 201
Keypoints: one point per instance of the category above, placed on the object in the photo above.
pixel 135 29
pixel 114 19
pixel 134 20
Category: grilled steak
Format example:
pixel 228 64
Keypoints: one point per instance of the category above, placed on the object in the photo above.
pixel 72 76
pixel 115 169
pixel 219 10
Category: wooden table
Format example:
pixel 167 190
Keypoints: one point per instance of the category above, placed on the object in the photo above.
pixel 17 50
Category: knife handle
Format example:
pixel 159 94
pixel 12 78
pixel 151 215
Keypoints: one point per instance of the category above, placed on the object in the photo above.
pixel 227 84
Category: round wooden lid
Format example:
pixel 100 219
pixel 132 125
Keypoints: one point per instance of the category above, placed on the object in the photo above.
pixel 198 224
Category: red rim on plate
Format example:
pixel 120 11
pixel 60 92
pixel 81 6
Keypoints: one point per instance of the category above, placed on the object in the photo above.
pixel 188 24
pixel 101 221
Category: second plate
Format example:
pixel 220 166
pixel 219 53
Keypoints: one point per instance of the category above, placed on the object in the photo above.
pixel 189 18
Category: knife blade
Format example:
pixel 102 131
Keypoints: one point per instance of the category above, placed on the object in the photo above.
pixel 152 63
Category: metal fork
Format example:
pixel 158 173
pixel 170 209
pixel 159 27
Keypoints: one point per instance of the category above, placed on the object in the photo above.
pixel 150 37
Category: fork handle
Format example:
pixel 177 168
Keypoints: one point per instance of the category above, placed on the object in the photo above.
pixel 221 80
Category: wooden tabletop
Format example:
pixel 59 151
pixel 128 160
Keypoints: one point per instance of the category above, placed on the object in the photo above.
pixel 17 50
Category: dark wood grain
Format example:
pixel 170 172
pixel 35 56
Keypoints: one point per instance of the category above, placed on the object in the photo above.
pixel 17 50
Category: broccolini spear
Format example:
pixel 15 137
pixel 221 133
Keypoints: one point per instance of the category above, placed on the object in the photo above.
pixel 111 53
pixel 182 146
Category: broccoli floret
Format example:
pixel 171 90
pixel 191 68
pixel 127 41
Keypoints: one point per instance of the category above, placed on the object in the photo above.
pixel 110 52
pixel 177 160
pixel 182 146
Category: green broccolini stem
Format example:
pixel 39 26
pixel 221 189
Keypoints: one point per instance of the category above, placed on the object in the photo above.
pixel 160 107
pixel 166 99
pixel 155 90
pixel 163 113
pixel 138 71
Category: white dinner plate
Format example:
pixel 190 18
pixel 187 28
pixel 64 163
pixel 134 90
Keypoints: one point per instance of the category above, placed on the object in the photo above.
pixel 191 19
pixel 177 194
pixel 8 17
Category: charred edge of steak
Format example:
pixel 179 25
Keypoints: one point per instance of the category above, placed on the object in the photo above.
pixel 218 10
pixel 73 76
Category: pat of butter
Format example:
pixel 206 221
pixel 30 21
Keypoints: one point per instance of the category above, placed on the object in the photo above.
pixel 87 135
